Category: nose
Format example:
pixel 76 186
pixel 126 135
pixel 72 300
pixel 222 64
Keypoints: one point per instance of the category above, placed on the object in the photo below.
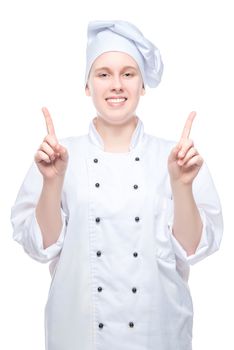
pixel 116 83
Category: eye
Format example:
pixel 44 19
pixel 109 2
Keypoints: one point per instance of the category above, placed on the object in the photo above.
pixel 128 74
pixel 102 75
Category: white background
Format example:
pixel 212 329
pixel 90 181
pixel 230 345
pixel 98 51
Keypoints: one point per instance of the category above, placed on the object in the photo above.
pixel 42 63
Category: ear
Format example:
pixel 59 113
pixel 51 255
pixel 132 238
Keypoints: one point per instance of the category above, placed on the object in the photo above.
pixel 143 91
pixel 87 90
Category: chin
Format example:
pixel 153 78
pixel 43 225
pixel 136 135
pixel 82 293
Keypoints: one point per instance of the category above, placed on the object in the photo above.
pixel 118 119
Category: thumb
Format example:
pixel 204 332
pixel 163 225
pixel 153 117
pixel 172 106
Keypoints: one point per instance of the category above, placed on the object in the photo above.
pixel 62 152
pixel 174 153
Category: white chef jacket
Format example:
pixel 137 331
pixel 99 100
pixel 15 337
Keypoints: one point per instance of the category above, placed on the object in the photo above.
pixel 119 276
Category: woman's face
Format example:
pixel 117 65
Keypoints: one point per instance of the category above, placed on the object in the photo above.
pixel 115 85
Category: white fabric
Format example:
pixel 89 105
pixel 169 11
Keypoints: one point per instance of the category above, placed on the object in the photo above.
pixel 104 36
pixel 161 309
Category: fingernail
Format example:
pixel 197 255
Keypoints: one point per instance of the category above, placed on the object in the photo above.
pixel 181 154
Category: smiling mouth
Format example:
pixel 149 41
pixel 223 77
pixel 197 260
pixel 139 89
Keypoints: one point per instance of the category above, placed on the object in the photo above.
pixel 116 101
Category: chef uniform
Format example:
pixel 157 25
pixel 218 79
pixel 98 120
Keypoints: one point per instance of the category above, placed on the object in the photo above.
pixel 119 277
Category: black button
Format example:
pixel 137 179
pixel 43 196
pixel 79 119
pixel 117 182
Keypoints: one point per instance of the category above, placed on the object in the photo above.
pixel 100 325
pixel 97 184
pixel 135 254
pixel 97 219
pixel 99 253
pixel 135 186
pixel 131 324
pixel 95 160
pixel 134 289
pixel 137 158
pixel 99 289
pixel 137 218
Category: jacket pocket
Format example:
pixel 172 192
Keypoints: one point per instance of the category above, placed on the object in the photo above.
pixel 163 216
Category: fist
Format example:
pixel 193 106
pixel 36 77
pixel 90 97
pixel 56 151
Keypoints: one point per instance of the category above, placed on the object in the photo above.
pixel 51 157
pixel 184 161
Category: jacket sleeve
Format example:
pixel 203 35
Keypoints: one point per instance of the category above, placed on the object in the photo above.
pixel 26 229
pixel 209 207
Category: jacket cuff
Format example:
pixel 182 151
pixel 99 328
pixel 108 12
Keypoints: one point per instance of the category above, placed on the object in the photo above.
pixel 204 247
pixel 33 242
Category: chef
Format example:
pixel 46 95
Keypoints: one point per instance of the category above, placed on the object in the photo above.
pixel 120 214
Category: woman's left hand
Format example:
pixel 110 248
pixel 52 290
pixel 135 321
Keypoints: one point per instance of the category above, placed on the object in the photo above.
pixel 184 161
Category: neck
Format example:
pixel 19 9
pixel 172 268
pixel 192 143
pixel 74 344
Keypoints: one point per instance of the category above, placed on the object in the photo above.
pixel 116 137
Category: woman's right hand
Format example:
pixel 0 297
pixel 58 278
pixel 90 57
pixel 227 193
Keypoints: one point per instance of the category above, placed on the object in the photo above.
pixel 51 157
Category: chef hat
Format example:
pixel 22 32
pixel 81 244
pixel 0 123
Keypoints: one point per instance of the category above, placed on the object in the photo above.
pixel 123 36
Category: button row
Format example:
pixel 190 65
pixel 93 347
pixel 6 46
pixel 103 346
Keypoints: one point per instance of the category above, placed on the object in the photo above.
pixel 96 160
pixel 136 219
pixel 98 185
pixel 134 289
pixel 131 324
pixel 99 253
pixel 135 254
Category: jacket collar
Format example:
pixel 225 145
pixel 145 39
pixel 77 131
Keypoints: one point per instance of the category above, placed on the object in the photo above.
pixel 96 138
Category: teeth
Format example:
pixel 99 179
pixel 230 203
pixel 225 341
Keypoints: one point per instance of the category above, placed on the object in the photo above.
pixel 116 100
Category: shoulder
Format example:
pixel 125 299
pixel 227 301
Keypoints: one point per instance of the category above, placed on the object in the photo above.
pixel 74 144
pixel 71 141
pixel 160 145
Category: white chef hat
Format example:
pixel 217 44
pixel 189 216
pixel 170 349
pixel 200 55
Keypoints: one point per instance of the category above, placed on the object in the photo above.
pixel 123 36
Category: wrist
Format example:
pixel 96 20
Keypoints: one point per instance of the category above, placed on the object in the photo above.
pixel 53 182
pixel 178 187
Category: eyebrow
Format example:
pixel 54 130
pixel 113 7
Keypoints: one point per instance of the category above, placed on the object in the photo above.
pixel 107 68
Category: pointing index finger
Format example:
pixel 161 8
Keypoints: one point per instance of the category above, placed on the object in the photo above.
pixel 188 126
pixel 49 122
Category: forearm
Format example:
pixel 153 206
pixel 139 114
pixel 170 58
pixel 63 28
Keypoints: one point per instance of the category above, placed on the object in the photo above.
pixel 187 225
pixel 48 211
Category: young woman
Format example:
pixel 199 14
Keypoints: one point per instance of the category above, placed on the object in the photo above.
pixel 120 214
